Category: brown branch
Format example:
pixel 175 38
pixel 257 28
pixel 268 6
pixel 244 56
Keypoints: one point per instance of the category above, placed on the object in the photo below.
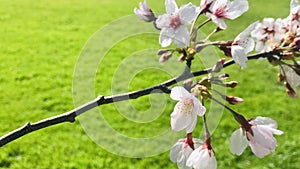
pixel 101 100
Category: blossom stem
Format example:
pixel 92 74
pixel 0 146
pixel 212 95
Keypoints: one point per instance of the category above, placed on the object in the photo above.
pixel 193 31
pixel 203 23
pixel 212 33
pixel 238 117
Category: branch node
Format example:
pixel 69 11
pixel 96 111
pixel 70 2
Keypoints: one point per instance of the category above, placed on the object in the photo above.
pixel 100 100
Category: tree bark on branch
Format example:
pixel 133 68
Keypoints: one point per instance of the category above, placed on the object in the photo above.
pixel 101 100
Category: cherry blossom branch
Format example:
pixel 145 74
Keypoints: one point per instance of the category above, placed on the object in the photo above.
pixel 101 100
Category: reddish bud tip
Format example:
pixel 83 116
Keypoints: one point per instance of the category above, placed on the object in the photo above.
pixel 231 84
pixel 234 100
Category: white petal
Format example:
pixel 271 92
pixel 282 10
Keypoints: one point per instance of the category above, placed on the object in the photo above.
pixel 195 157
pixel 268 22
pixel 174 152
pixel 258 150
pixel 165 38
pixel 237 8
pixel 218 4
pixel 182 36
pixel 260 46
pixel 179 92
pixel 180 120
pixel 246 32
pixel 190 127
pixel 262 142
pixel 294 3
pixel 212 162
pixel 199 109
pixel 187 13
pixel 162 21
pixel 238 142
pixel 264 121
pixel 239 56
pixel 185 153
pixel 220 22
pixel 247 44
pixel 171 6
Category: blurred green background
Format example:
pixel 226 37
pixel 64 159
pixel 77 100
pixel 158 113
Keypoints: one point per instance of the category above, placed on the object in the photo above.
pixel 39 47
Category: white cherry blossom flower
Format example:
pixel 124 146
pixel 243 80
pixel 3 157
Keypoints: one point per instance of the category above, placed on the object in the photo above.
pixel 225 9
pixel 259 137
pixel 144 13
pixel 186 110
pixel 242 45
pixel 268 34
pixel 202 158
pixel 174 24
pixel 181 151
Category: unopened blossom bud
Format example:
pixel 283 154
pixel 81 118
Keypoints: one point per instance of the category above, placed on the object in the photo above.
pixel 162 51
pixel 224 76
pixel 181 58
pixel 281 78
pixel 188 83
pixel 144 13
pixel 234 100
pixel 219 65
pixel 231 84
pixel 164 57
pixel 296 43
pixel 290 91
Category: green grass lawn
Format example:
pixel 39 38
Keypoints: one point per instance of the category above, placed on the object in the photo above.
pixel 39 47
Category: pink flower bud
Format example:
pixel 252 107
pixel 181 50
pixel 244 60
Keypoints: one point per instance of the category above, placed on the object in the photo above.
pixel 162 51
pixel 234 100
pixel 281 78
pixel 144 13
pixel 181 58
pixel 188 83
pixel 231 84
pixel 224 76
pixel 290 91
pixel 219 65
pixel 164 57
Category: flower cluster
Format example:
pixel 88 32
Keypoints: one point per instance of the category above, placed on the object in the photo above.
pixel 278 40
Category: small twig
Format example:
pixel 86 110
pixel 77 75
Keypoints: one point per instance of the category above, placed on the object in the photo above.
pixel 101 100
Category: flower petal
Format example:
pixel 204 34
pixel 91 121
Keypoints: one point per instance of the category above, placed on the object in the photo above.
pixel 199 109
pixel 262 142
pixel 246 32
pixel 171 6
pixel 218 4
pixel 184 155
pixel 220 22
pixel 165 38
pixel 162 21
pixel 238 142
pixel 190 127
pixel 264 121
pixel 182 36
pixel 174 152
pixel 180 92
pixel 187 13
pixel 179 119
pixel 247 44
pixel 239 56
pixel 237 8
